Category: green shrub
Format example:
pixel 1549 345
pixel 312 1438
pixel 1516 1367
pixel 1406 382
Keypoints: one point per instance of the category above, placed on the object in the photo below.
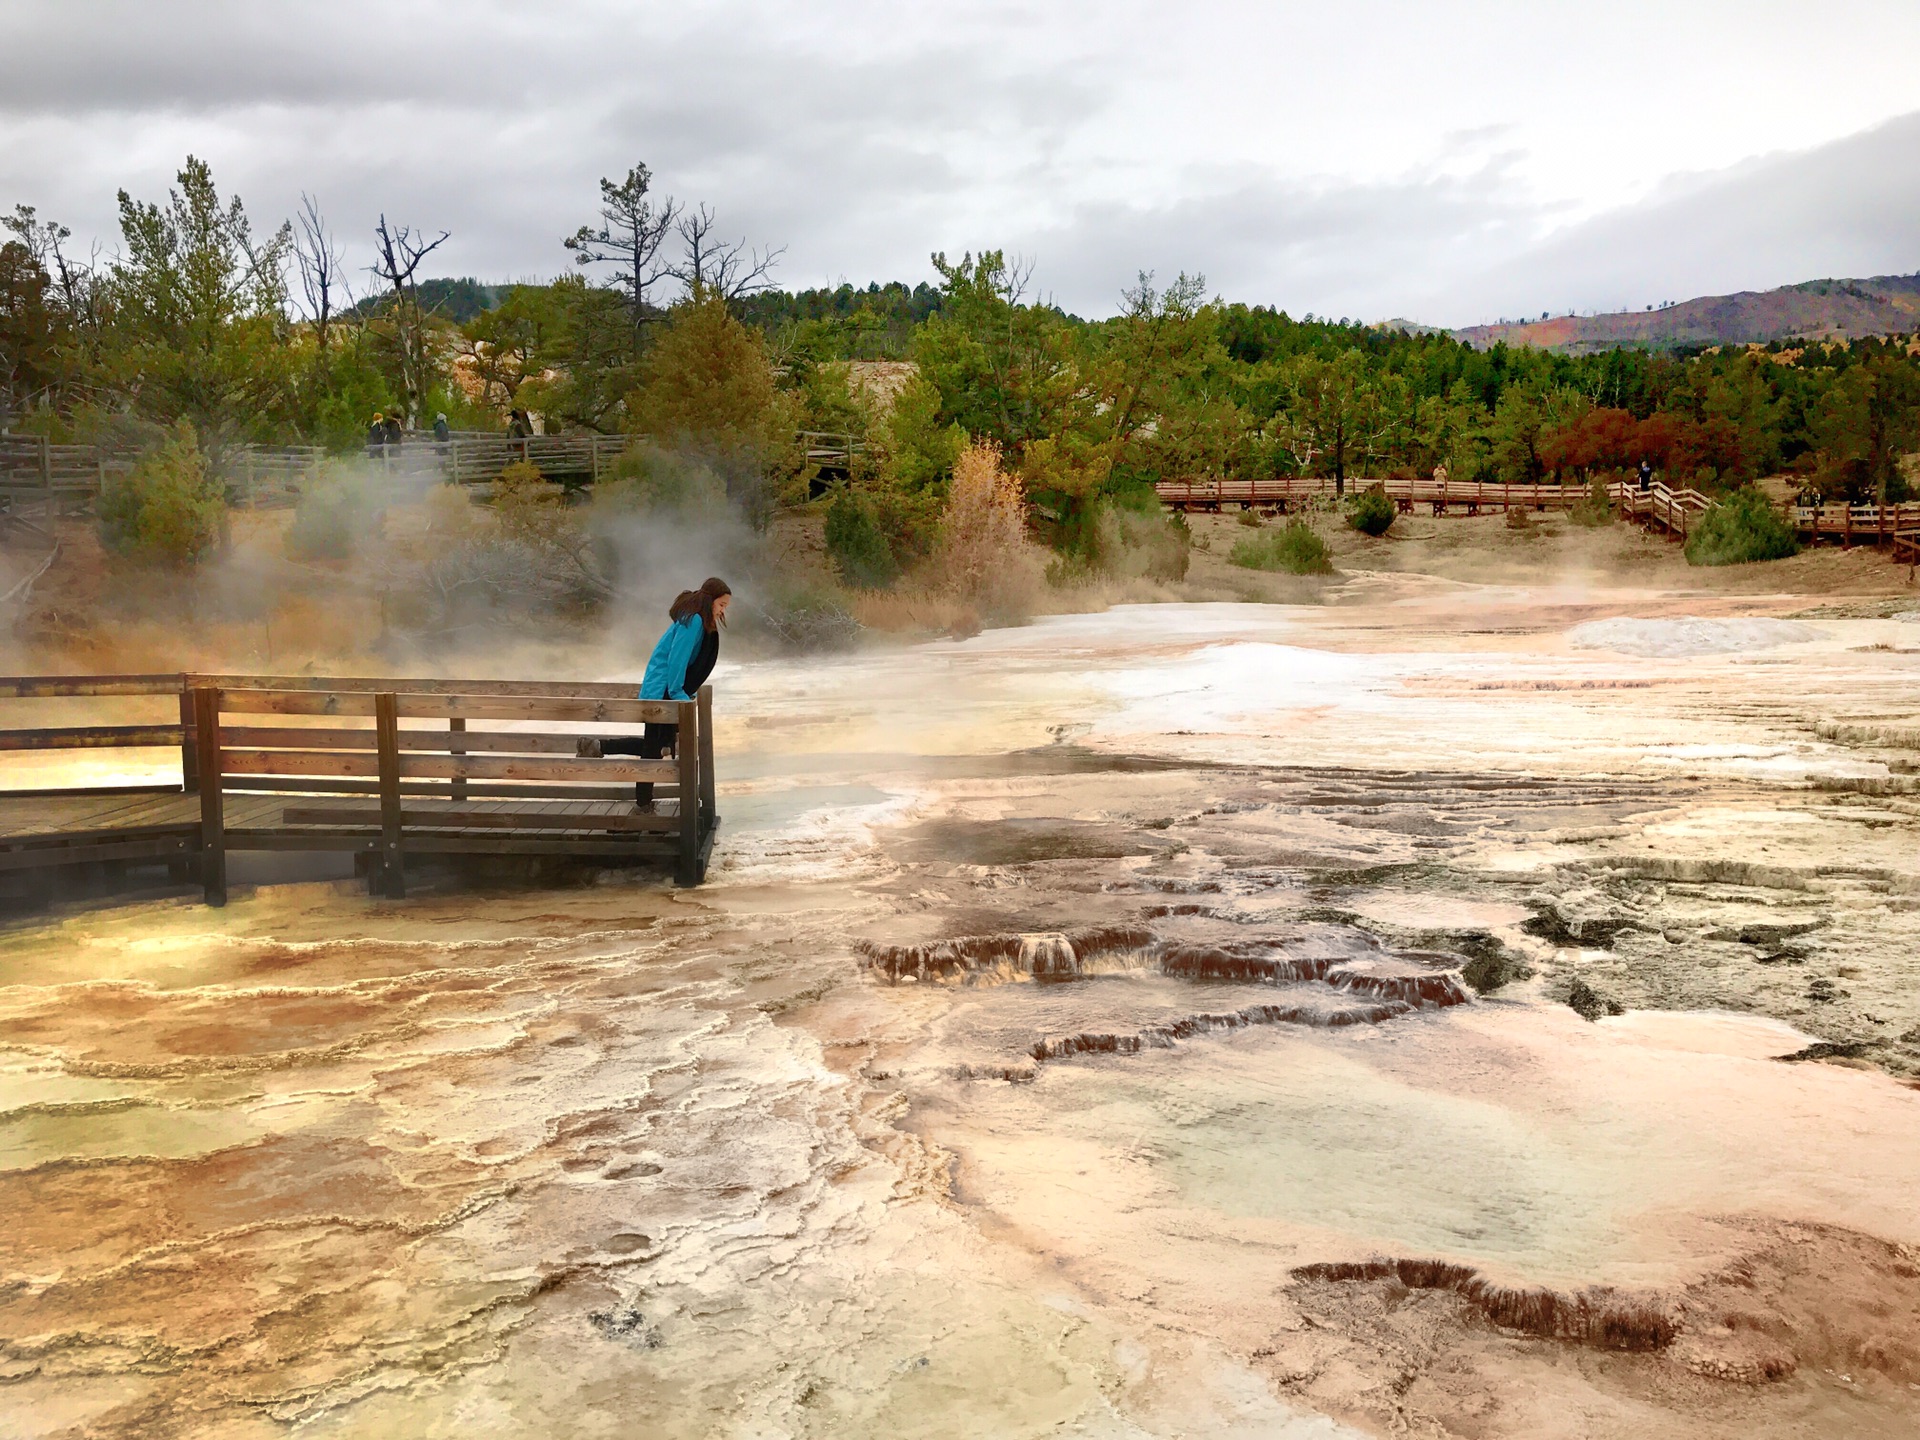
pixel 1294 548
pixel 665 483
pixel 1124 536
pixel 855 544
pixel 795 614
pixel 333 517
pixel 1595 508
pixel 170 510
pixel 1248 518
pixel 1371 512
pixel 1741 528
pixel 1143 543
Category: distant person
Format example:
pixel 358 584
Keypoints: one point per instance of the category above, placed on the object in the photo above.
pixel 442 432
pixel 396 433
pixel 1646 475
pixel 1440 478
pixel 518 426
pixel 377 432
pixel 682 659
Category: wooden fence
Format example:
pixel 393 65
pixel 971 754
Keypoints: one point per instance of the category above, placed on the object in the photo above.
pixel 302 763
pixel 831 451
pixel 1895 525
pixel 1672 509
pixel 472 457
pixel 55 480
pixel 1676 511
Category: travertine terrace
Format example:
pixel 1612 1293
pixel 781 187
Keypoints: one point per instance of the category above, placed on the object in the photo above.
pixel 1075 1036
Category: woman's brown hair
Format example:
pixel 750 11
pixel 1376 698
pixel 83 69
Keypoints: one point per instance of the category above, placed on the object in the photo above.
pixel 701 600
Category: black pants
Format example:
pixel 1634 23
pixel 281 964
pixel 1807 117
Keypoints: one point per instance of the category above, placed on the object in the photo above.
pixel 651 746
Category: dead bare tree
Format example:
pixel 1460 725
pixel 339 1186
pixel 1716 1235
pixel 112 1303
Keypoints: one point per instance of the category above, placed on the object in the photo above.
pixel 318 257
pixel 631 232
pixel 726 268
pixel 400 249
pixel 266 266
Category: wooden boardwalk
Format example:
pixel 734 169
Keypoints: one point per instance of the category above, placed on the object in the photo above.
pixel 1895 526
pixel 1659 506
pixel 47 480
pixel 296 763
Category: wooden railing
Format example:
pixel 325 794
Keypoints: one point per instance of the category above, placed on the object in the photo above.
pixel 65 479
pixel 1897 525
pixel 1468 496
pixel 830 450
pixel 264 476
pixel 58 479
pixel 473 457
pixel 62 479
pixel 1674 510
pixel 364 780
pixel 145 822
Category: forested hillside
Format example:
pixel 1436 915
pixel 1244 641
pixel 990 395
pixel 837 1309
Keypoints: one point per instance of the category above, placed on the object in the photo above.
pixel 205 318
pixel 1826 310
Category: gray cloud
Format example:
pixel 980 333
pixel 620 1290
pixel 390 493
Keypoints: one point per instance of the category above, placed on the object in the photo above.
pixel 1325 247
pixel 1850 208
pixel 1462 249
pixel 864 136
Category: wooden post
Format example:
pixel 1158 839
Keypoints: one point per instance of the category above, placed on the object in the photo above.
pixel 458 725
pixel 189 754
pixel 386 720
pixel 213 825
pixel 688 747
pixel 706 759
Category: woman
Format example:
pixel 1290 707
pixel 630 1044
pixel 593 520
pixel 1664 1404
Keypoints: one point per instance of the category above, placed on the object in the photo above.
pixel 679 666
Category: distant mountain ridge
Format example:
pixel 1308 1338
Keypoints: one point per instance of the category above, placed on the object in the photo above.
pixel 1812 310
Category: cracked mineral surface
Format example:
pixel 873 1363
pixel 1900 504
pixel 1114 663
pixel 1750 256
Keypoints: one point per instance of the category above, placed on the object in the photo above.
pixel 1151 1023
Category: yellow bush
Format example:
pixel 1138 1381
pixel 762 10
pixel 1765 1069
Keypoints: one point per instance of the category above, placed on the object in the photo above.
pixel 984 555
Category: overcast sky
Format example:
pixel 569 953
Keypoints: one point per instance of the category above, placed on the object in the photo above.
pixel 1446 160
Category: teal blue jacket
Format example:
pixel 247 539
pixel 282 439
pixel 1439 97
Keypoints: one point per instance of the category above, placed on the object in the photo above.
pixel 666 677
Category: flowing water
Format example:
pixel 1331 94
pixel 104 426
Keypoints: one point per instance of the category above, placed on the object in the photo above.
pixel 1075 1037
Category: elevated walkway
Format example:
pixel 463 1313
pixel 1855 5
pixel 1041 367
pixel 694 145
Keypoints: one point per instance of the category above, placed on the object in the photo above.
pixel 296 763
pixel 45 480
pixel 1659 507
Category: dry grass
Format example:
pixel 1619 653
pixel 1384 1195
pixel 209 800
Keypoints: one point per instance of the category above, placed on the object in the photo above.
pixel 915 611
